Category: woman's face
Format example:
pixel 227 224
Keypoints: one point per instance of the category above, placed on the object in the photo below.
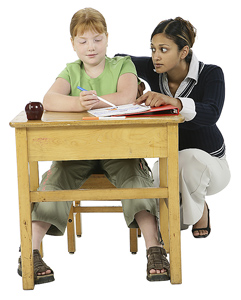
pixel 165 54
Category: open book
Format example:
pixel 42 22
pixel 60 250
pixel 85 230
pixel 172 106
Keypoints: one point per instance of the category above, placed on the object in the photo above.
pixel 135 110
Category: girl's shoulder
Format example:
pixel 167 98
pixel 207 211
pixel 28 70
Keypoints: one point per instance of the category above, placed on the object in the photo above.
pixel 120 65
pixel 118 60
pixel 78 63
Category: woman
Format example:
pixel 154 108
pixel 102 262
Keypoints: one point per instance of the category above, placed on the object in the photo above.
pixel 177 77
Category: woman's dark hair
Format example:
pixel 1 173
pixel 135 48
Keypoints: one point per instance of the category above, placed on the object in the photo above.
pixel 182 32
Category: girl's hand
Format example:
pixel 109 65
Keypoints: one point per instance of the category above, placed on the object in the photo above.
pixel 154 99
pixel 88 99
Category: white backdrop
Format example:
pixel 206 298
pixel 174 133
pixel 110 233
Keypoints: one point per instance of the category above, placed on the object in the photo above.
pixel 35 47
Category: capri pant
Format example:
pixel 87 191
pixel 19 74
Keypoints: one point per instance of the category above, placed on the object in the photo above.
pixel 67 175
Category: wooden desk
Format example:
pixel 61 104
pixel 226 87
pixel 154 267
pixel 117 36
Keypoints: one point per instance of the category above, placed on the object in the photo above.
pixel 65 136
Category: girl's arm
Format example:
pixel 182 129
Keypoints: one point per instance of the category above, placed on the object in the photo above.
pixel 126 93
pixel 57 98
pixel 146 71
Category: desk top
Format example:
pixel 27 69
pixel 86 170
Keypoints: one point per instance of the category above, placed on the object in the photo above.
pixel 63 119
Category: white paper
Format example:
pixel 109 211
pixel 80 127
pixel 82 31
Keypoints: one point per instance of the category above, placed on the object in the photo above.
pixel 126 109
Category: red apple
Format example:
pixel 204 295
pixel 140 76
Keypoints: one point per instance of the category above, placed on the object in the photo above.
pixel 34 110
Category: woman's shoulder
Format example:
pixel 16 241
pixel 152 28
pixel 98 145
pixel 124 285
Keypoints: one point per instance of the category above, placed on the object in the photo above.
pixel 211 68
pixel 213 71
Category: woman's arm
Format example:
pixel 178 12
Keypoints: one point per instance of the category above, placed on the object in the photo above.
pixel 157 99
pixel 211 87
pixel 209 96
pixel 205 107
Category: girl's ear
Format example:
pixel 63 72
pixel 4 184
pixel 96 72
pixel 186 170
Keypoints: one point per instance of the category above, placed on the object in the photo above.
pixel 72 42
pixel 185 51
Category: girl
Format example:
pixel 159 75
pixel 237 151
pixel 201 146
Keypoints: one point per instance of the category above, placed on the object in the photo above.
pixel 108 78
pixel 177 77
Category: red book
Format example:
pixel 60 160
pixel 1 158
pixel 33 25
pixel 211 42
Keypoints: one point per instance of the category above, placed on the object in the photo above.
pixel 164 110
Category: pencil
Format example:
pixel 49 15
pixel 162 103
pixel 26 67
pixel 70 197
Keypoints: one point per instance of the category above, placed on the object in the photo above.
pixel 101 99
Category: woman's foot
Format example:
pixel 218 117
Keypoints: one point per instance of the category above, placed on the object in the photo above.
pixel 202 228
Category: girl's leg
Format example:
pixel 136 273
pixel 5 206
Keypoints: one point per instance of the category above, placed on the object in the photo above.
pixel 52 216
pixel 148 225
pixel 131 173
pixel 39 230
pixel 134 173
pixel 66 175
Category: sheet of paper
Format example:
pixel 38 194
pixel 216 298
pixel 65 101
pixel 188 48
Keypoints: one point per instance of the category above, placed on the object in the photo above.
pixel 119 110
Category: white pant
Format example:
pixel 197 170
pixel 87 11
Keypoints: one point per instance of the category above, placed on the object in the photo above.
pixel 200 174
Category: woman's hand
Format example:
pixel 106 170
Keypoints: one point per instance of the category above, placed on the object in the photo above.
pixel 154 99
pixel 141 89
pixel 88 99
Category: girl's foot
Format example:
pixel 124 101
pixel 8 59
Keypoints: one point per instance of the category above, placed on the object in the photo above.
pixel 158 267
pixel 42 273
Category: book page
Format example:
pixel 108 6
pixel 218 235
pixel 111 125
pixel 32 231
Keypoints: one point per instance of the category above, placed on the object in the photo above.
pixel 126 109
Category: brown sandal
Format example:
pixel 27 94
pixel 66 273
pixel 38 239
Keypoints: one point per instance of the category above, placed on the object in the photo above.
pixel 39 267
pixel 156 257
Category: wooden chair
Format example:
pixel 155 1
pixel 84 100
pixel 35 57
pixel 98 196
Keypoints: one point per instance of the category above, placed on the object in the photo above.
pixel 97 181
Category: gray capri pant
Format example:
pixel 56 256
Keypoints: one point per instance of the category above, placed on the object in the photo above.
pixel 68 175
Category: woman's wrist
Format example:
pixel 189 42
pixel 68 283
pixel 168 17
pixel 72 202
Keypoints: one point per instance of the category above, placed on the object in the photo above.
pixel 178 103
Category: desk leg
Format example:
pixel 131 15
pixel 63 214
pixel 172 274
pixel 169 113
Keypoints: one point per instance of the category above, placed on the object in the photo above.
pixel 34 184
pixel 173 205
pixel 24 209
pixel 163 209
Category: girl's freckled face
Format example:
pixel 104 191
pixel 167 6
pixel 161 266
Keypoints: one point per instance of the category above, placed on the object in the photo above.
pixel 90 47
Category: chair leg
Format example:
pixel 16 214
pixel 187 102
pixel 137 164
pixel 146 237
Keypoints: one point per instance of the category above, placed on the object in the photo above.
pixel 70 231
pixel 78 225
pixel 133 240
